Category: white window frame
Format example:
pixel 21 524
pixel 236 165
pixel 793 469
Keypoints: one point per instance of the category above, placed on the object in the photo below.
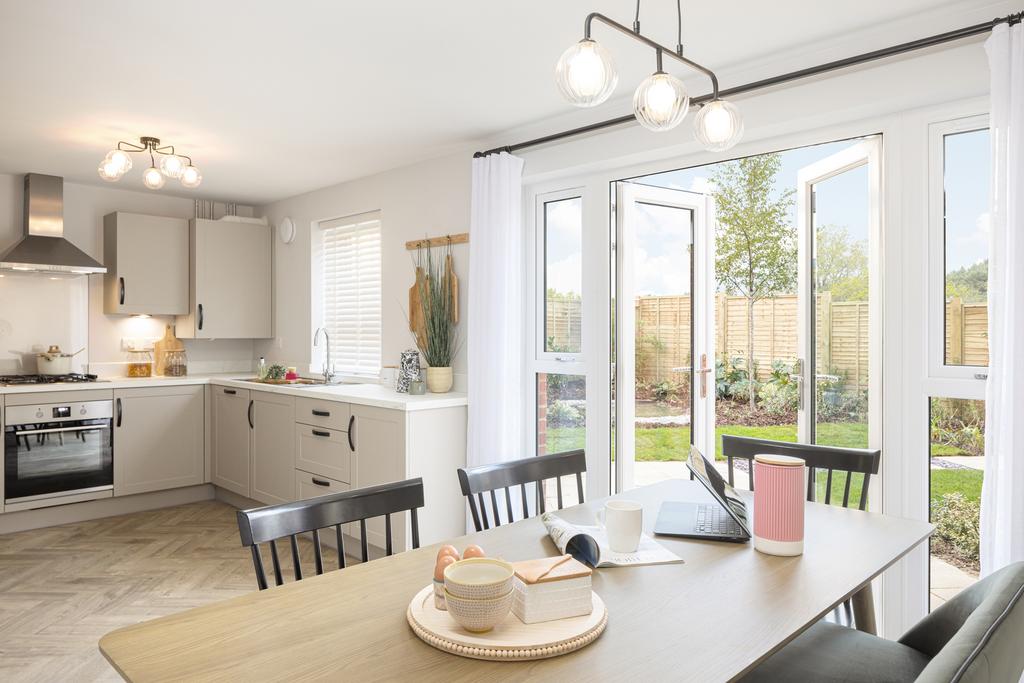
pixel 538 280
pixel 318 304
pixel 937 367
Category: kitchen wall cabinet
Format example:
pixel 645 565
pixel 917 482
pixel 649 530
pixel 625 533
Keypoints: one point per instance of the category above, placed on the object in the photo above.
pixel 230 284
pixel 273 463
pixel 231 438
pixel 147 260
pixel 159 438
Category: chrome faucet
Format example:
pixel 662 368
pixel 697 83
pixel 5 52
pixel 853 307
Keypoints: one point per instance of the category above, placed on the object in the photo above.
pixel 328 373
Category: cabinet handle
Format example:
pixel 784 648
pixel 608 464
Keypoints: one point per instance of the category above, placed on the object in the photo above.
pixel 230 391
pixel 119 412
pixel 322 413
pixel 320 482
pixel 121 295
pixel 200 316
pixel 317 432
pixel 351 432
pixel 251 425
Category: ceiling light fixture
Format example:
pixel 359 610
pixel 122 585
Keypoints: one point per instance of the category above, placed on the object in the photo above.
pixel 172 165
pixel 586 76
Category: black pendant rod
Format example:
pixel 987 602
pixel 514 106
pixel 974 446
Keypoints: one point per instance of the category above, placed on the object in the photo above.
pixel 883 53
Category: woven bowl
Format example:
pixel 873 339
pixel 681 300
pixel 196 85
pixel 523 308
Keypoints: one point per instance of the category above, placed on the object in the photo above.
pixel 478 615
pixel 479 577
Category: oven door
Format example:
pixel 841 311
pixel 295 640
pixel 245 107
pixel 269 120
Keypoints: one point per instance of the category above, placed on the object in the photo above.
pixel 49 459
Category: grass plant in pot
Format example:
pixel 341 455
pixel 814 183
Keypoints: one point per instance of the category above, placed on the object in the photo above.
pixel 438 341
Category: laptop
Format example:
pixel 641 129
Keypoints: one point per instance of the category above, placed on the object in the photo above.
pixel 723 520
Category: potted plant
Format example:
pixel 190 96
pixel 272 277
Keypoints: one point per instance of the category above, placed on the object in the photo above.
pixel 438 340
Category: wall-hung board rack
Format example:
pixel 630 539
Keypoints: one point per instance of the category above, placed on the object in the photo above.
pixel 442 241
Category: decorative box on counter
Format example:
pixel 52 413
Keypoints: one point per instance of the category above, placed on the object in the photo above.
pixel 551 588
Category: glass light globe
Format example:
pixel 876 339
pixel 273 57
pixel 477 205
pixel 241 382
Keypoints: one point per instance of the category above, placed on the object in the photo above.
pixel 153 178
pixel 718 125
pixel 172 165
pixel 121 160
pixel 191 177
pixel 109 170
pixel 585 74
pixel 660 102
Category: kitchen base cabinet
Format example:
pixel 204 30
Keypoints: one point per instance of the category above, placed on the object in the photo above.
pixel 230 442
pixel 159 440
pixel 273 464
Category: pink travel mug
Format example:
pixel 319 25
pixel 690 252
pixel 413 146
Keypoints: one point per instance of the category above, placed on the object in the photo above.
pixel 779 504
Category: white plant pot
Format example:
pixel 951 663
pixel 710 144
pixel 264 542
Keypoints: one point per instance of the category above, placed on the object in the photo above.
pixel 439 380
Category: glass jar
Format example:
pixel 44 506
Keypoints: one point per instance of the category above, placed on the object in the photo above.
pixel 140 363
pixel 176 364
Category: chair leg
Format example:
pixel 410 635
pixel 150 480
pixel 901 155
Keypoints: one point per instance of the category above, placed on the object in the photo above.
pixel 864 611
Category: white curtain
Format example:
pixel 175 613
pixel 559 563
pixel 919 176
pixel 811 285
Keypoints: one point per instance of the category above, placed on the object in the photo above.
pixel 495 336
pixel 1002 498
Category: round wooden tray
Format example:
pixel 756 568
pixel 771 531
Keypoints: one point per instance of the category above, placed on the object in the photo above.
pixel 509 641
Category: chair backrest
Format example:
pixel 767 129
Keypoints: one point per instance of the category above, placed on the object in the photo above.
pixel 977 636
pixel 488 479
pixel 829 458
pixel 274 522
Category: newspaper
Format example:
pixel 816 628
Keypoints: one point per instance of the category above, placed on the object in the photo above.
pixel 589 544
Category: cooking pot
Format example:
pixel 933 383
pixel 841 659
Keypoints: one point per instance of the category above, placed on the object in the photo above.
pixel 54 361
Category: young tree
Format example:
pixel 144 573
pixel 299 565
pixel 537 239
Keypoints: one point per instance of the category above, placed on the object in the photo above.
pixel 755 246
pixel 841 264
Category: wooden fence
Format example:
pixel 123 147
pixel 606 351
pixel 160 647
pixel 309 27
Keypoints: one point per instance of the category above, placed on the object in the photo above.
pixel 663 334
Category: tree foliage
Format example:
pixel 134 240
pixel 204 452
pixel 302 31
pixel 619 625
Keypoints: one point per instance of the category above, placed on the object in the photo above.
pixel 970 283
pixel 841 264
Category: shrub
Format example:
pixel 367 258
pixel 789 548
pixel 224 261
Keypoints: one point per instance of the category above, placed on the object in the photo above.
pixel 957 525
pixel 732 380
pixel 777 398
pixel 664 391
pixel 564 414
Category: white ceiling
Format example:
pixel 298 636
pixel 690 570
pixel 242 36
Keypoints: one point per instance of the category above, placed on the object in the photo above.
pixel 274 98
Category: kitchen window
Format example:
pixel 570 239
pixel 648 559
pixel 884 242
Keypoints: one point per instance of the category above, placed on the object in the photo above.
pixel 347 293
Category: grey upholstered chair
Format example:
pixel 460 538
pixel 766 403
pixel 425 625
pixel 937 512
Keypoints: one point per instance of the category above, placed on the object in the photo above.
pixel 977 637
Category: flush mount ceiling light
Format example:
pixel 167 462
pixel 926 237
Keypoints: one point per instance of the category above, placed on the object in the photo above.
pixel 586 76
pixel 171 165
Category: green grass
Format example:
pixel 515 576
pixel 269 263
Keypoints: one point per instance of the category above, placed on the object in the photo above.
pixel 967 482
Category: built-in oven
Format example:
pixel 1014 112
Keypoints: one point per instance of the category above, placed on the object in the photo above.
pixel 58 453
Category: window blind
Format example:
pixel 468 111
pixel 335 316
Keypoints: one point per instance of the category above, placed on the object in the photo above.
pixel 352 292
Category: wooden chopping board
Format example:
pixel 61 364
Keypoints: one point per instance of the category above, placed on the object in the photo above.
pixel 161 347
pixel 416 321
pixel 453 288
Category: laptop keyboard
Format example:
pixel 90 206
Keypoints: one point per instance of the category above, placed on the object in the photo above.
pixel 713 520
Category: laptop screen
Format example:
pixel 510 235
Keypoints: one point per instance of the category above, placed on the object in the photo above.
pixel 719 487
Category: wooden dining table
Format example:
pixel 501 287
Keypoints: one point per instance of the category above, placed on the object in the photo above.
pixel 713 617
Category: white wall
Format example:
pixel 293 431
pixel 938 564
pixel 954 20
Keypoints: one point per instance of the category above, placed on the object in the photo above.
pixel 84 208
pixel 426 199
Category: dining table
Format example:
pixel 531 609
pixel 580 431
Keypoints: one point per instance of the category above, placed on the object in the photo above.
pixel 712 617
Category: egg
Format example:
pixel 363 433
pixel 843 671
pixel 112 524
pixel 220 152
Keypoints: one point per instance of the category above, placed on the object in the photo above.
pixel 442 562
pixel 448 550
pixel 473 551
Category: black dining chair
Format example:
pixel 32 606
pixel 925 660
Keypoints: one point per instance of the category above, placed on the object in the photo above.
pixel 487 480
pixel 275 522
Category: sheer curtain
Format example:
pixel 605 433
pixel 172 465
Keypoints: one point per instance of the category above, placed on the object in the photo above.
pixel 1002 498
pixel 495 335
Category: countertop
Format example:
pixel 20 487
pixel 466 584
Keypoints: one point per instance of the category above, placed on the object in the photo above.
pixel 375 394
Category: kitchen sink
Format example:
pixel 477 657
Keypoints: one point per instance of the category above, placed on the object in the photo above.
pixel 302 382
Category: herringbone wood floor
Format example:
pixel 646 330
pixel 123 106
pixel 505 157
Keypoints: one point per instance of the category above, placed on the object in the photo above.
pixel 62 588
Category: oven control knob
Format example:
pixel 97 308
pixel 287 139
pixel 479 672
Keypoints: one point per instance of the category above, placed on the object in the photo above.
pixel 39 413
pixel 82 410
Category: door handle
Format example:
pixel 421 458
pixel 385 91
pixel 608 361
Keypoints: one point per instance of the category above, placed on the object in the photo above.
pixel 121 295
pixel 320 482
pixel 251 425
pixel 317 432
pixel 230 391
pixel 703 372
pixel 200 316
pixel 798 376
pixel 351 433
pixel 118 412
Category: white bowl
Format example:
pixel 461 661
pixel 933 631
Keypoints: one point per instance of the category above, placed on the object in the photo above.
pixel 478 615
pixel 479 577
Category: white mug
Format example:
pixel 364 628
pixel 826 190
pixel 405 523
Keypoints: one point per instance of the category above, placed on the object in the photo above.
pixel 623 521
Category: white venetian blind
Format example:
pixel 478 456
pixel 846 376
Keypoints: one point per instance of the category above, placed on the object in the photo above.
pixel 352 292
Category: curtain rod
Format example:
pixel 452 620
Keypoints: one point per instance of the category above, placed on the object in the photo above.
pixel 883 53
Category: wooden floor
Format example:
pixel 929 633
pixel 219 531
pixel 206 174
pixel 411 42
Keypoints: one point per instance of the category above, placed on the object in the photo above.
pixel 64 587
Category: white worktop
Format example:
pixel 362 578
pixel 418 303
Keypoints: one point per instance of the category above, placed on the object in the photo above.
pixel 375 394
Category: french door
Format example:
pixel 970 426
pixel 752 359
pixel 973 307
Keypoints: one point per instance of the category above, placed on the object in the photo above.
pixel 664 251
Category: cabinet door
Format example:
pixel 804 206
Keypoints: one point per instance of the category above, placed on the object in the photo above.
pixel 273 458
pixel 378 435
pixel 147 264
pixel 231 439
pixel 158 439
pixel 233 270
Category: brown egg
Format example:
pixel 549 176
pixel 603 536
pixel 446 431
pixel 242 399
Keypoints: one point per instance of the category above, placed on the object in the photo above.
pixel 448 550
pixel 473 551
pixel 442 562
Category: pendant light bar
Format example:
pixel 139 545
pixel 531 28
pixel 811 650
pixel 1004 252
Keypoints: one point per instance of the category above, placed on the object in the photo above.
pixel 874 55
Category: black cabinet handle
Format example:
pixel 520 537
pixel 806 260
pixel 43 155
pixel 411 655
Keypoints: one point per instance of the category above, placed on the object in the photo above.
pixel 251 425
pixel 121 295
pixel 200 316
pixel 317 432
pixel 322 413
pixel 320 482
pixel 119 412
pixel 351 432
pixel 230 391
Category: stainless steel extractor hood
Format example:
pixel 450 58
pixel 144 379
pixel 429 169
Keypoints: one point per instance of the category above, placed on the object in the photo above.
pixel 43 248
